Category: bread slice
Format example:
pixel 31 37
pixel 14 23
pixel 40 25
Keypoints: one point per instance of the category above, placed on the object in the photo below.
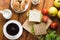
pixel 28 25
pixel 39 29
pixel 48 23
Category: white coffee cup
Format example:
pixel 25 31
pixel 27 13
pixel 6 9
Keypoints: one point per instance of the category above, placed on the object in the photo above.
pixel 10 36
pixel 6 13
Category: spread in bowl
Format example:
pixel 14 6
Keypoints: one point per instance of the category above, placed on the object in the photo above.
pixel 35 2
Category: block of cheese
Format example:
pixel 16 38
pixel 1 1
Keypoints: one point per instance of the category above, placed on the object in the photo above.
pixel 35 15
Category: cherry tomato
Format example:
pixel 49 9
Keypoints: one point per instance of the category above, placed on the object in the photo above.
pixel 54 25
pixel 44 11
pixel 45 18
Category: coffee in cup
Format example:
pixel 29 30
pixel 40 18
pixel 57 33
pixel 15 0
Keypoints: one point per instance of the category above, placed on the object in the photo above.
pixel 12 29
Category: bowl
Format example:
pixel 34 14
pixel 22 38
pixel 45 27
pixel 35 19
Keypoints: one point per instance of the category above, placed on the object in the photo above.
pixel 26 7
pixel 35 3
pixel 12 37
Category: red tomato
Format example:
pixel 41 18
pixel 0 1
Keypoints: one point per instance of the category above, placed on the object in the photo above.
pixel 45 18
pixel 44 11
pixel 54 25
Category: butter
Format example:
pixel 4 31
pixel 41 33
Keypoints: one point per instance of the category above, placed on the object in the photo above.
pixel 35 15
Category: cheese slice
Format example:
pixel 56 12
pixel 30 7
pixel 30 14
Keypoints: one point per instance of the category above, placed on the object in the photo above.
pixel 35 15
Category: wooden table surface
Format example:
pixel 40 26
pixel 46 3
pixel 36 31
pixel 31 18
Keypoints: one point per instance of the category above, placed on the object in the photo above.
pixel 4 4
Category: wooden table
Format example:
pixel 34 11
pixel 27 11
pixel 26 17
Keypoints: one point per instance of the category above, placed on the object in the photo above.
pixel 4 4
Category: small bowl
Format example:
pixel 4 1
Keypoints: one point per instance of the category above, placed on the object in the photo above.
pixel 35 3
pixel 10 36
pixel 7 13
pixel 26 7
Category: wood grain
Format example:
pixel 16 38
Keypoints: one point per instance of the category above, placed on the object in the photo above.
pixel 48 4
pixel 2 21
pixel 3 5
pixel 14 16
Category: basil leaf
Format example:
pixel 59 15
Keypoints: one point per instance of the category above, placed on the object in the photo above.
pixel 32 30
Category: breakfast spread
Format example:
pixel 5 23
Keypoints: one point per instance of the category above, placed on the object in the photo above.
pixel 34 26
pixel 38 22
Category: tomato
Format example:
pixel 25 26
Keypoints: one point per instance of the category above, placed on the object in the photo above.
pixel 45 18
pixel 54 25
pixel 44 11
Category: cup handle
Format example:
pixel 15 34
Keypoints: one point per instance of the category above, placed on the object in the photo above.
pixel 12 39
pixel 1 12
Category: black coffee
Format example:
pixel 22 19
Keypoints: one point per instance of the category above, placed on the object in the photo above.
pixel 12 29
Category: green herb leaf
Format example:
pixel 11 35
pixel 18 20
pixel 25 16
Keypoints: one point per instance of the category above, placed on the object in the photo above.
pixel 32 30
pixel 58 38
pixel 48 37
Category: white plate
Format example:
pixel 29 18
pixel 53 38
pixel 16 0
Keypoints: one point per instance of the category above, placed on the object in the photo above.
pixel 15 36
pixel 26 7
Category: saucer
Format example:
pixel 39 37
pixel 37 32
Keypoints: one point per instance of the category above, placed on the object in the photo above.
pixel 10 36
